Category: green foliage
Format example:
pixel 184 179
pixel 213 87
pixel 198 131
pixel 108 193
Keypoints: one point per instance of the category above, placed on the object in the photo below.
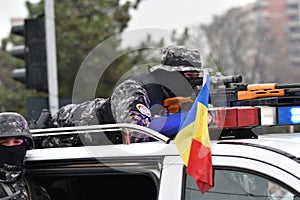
pixel 130 62
pixel 13 94
pixel 80 27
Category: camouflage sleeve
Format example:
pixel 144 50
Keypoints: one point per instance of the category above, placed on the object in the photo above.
pixel 78 114
pixel 130 103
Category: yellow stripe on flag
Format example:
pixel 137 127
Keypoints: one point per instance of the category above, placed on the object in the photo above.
pixel 197 130
pixel 183 142
pixel 201 127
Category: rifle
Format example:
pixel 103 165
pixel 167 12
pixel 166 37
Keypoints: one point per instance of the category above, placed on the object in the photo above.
pixel 218 81
pixel 174 104
pixel 263 90
pixel 242 94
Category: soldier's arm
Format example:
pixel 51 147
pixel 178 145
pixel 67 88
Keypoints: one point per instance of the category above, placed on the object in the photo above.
pixel 130 103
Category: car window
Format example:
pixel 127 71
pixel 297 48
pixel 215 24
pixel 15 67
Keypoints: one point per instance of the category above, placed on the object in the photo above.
pixel 99 186
pixel 234 185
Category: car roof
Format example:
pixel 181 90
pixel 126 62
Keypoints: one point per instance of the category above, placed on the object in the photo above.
pixel 285 142
pixel 289 143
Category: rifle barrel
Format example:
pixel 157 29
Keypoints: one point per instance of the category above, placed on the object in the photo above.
pixel 283 86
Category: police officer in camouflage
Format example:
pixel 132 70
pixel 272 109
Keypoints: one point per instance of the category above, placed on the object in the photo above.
pixel 158 99
pixel 15 140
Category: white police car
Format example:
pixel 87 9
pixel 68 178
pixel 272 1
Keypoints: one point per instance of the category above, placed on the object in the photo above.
pixel 245 166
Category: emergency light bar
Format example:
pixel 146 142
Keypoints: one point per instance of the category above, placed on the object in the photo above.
pixel 235 117
pixel 268 115
pixel 289 115
pixel 243 117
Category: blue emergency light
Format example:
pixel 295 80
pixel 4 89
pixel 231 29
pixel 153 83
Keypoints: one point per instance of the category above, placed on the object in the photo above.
pixel 288 115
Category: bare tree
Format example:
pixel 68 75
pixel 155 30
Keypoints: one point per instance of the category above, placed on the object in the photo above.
pixel 239 44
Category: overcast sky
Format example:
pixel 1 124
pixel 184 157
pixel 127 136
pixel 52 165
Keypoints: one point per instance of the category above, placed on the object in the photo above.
pixel 166 14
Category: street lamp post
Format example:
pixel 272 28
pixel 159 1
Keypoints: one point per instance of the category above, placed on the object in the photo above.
pixel 51 56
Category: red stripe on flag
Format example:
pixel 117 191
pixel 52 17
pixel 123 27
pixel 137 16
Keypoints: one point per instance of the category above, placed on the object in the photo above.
pixel 200 166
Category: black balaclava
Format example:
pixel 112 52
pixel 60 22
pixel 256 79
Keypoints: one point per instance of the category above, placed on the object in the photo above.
pixel 11 162
pixel 174 81
pixel 193 81
pixel 12 155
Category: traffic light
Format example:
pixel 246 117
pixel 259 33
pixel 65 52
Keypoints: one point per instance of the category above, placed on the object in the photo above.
pixel 34 75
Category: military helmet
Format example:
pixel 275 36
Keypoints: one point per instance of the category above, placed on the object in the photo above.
pixel 179 58
pixel 14 125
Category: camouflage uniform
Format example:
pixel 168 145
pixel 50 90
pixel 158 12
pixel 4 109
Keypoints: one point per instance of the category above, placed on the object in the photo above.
pixel 164 80
pixel 13 184
pixel 139 98
pixel 79 114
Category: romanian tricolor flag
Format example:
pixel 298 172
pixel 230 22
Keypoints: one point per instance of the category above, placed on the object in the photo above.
pixel 193 141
